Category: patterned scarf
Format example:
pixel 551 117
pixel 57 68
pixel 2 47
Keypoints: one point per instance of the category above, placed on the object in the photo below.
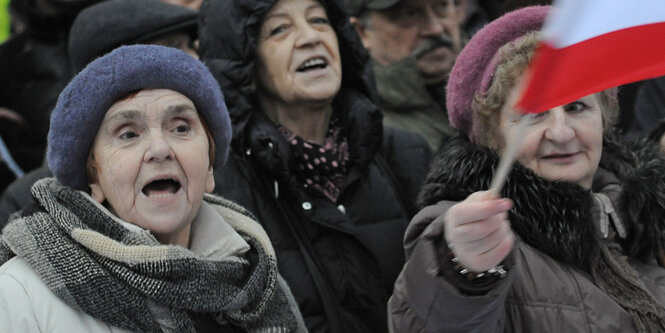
pixel 321 167
pixel 130 280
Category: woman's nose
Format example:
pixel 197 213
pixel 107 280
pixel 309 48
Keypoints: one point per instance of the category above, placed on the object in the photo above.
pixel 560 128
pixel 307 36
pixel 157 149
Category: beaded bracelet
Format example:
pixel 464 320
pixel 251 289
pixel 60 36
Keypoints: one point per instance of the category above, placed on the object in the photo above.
pixel 496 271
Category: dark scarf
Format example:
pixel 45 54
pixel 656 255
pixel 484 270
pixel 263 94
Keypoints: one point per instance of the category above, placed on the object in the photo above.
pixel 322 167
pixel 557 219
pixel 130 280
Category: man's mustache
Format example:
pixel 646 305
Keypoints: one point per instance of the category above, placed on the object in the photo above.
pixel 431 43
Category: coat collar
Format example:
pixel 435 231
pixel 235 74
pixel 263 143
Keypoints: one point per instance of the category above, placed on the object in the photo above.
pixel 361 122
pixel 556 217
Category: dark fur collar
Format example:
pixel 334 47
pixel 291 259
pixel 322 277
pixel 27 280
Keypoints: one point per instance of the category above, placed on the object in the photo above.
pixel 556 217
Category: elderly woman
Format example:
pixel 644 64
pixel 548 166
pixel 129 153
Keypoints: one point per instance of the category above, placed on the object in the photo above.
pixel 333 189
pixel 582 212
pixel 125 237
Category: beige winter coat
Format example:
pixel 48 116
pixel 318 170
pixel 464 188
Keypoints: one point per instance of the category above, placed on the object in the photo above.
pixel 27 304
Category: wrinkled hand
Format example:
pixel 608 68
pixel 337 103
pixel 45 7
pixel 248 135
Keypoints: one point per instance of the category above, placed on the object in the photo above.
pixel 479 230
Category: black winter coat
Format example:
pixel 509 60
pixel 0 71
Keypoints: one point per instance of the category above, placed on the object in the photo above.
pixel 340 259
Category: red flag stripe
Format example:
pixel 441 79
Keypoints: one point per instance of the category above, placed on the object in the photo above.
pixel 593 65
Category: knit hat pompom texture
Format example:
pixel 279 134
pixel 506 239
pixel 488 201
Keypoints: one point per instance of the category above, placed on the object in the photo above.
pixel 86 99
pixel 475 66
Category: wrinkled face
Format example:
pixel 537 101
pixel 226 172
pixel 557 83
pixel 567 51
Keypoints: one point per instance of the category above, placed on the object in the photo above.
pixel 298 55
pixel 151 157
pixel 427 29
pixel 564 143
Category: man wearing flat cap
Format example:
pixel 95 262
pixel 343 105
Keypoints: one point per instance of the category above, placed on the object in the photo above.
pixel 413 45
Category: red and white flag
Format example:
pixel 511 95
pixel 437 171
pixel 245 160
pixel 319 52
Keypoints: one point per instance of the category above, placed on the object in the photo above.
pixel 592 45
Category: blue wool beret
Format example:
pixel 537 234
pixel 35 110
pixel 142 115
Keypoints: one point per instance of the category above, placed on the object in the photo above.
pixel 83 103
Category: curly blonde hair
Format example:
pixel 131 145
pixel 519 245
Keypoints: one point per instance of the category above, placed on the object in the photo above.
pixel 514 59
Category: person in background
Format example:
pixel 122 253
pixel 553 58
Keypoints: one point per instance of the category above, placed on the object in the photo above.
pixel 642 107
pixel 575 240
pixel 511 5
pixel 413 45
pixel 311 158
pixel 34 62
pixel 9 169
pixel 125 238
pixel 475 17
pixel 35 68
pixel 98 30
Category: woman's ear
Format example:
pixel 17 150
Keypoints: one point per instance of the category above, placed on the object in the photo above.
pixel 210 181
pixel 97 193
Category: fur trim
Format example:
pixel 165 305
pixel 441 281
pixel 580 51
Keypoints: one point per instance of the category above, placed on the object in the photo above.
pixel 641 168
pixel 553 216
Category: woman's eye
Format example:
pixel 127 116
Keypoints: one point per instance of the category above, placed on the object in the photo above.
pixel 127 135
pixel 277 30
pixel 320 20
pixel 181 129
pixel 540 114
pixel 536 117
pixel 575 106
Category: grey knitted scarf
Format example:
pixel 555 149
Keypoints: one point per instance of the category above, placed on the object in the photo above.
pixel 130 280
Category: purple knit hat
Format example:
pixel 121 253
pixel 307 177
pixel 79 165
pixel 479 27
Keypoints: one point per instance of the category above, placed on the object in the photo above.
pixel 83 103
pixel 475 65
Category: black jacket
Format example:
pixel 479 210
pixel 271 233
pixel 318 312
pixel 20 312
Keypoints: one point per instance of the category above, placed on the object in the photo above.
pixel 17 196
pixel 340 259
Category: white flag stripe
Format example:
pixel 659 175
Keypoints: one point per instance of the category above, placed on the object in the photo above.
pixel 578 20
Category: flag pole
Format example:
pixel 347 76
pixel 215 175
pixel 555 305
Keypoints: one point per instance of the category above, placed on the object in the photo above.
pixel 509 153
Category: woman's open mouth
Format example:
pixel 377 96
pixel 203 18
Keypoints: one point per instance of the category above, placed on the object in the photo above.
pixel 313 64
pixel 161 188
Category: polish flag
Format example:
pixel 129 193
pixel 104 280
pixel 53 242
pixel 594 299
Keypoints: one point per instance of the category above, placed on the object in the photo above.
pixel 592 45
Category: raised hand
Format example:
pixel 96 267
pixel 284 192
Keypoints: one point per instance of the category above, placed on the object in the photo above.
pixel 479 231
